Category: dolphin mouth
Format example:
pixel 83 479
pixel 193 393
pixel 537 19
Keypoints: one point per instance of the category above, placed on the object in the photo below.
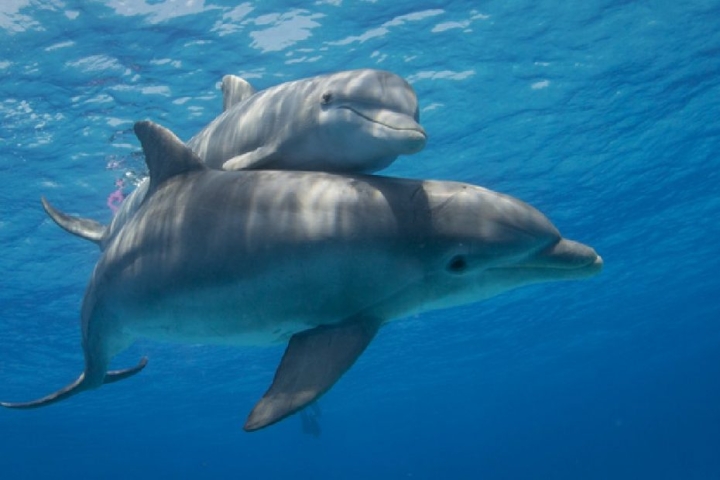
pixel 567 255
pixel 392 120
pixel 565 259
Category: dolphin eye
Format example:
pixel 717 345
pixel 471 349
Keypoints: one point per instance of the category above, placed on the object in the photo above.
pixel 326 98
pixel 457 264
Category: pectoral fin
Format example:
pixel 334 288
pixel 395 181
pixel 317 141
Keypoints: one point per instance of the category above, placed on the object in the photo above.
pixel 313 361
pixel 256 160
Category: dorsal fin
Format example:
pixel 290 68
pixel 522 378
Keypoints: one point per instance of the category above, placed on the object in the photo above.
pixel 165 154
pixel 235 90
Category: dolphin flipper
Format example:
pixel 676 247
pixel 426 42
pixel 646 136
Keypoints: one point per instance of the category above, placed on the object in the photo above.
pixel 254 160
pixel 79 385
pixel 313 361
pixel 82 227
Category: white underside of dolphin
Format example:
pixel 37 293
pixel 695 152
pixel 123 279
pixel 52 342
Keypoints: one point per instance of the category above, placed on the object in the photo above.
pixel 355 121
pixel 318 260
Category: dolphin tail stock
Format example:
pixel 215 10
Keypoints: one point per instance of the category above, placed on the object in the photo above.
pixel 78 386
pixel 82 227
pixel 314 360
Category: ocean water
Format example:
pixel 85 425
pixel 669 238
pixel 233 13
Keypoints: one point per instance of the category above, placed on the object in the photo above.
pixel 602 114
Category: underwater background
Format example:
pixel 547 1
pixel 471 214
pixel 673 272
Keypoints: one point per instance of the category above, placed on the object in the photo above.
pixel 605 115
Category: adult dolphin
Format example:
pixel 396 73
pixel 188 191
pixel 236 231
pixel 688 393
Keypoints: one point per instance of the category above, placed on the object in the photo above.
pixel 314 259
pixel 351 121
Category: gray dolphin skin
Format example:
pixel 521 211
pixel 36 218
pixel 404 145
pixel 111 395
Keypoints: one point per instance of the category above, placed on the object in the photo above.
pixel 318 260
pixel 355 121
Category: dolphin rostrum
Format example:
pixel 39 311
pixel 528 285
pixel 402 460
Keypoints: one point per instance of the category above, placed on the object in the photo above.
pixel 355 121
pixel 318 260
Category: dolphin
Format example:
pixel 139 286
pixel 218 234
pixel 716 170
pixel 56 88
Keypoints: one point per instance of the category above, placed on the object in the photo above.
pixel 318 260
pixel 350 121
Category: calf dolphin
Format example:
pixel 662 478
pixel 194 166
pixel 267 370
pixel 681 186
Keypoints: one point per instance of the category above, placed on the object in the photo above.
pixel 318 260
pixel 351 121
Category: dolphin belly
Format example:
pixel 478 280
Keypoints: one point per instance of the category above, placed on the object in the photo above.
pixel 271 298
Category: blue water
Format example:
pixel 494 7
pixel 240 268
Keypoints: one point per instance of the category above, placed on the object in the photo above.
pixel 602 114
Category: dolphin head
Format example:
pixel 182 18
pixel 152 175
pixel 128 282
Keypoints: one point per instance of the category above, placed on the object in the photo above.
pixel 485 243
pixel 369 117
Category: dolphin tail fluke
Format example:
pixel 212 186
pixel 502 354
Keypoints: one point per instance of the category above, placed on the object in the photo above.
pixel 74 388
pixel 116 375
pixel 79 385
pixel 314 360
pixel 82 227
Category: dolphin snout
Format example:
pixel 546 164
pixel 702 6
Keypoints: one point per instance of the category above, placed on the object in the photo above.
pixel 415 140
pixel 407 135
pixel 571 254
pixel 399 121
pixel 568 255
